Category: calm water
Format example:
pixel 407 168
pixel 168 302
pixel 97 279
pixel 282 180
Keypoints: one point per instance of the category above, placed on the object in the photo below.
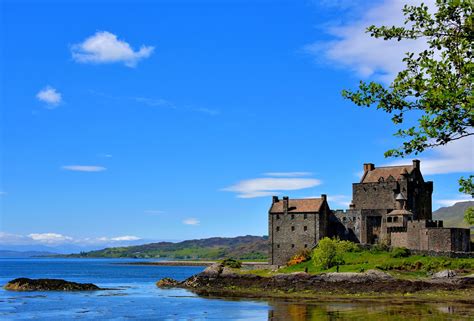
pixel 136 297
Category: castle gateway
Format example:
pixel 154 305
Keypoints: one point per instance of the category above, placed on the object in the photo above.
pixel 390 204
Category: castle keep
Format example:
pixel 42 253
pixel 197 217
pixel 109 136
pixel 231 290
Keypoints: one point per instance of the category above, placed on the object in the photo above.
pixel 390 204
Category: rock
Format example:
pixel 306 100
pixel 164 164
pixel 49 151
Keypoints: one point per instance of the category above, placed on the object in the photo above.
pixel 214 269
pixel 444 274
pixel 369 276
pixel 25 284
pixel 167 283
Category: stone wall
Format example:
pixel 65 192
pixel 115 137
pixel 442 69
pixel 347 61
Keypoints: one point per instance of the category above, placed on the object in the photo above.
pixel 289 233
pixel 345 225
pixel 379 195
pixel 399 239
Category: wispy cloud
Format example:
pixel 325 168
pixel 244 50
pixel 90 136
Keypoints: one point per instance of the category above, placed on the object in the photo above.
pixel 259 187
pixel 105 47
pixel 50 96
pixel 160 102
pixel 288 174
pixel 84 168
pixel 56 239
pixel 343 200
pixel 457 199
pixel 454 157
pixel 49 238
pixel 191 221
pixel 352 48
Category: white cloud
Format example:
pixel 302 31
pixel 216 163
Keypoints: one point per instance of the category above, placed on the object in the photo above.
pixel 83 168
pixel 454 157
pixel 288 174
pixel 259 187
pixel 57 239
pixel 49 237
pixel 451 202
pixel 191 221
pixel 354 49
pixel 50 96
pixel 343 200
pixel 125 238
pixel 105 47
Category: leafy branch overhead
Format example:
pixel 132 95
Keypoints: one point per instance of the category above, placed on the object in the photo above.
pixel 437 81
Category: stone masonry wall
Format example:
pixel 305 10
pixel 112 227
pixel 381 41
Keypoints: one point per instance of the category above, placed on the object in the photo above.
pixel 289 233
pixel 399 239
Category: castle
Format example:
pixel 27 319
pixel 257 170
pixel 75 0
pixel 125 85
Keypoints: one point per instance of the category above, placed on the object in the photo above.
pixel 390 204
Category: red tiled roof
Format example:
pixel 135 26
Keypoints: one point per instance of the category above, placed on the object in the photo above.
pixel 308 205
pixel 396 172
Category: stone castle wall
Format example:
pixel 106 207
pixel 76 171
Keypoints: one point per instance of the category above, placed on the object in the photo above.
pixel 289 233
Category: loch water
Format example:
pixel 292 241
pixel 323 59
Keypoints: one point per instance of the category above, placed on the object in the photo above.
pixel 134 296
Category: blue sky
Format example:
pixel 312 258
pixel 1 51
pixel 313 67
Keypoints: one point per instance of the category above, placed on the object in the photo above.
pixel 153 120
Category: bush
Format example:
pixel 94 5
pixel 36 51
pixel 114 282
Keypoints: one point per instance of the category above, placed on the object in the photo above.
pixel 398 252
pixel 328 253
pixel 301 256
pixel 231 263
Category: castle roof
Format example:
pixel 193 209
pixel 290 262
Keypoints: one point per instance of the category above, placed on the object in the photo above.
pixel 374 175
pixel 307 205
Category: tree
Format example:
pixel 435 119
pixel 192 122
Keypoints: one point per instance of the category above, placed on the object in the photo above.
pixel 437 83
pixel 328 253
pixel 469 215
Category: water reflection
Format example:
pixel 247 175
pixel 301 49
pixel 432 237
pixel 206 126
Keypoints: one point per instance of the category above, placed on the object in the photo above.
pixel 368 311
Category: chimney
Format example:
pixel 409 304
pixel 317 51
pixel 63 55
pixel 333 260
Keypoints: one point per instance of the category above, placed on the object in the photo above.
pixel 368 167
pixel 416 164
pixel 275 199
pixel 285 204
pixel 324 197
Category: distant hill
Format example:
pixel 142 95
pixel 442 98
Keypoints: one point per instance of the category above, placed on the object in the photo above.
pixel 453 216
pixel 24 254
pixel 241 247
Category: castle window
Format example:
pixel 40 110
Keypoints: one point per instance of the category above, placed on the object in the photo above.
pixel 278 228
pixel 305 216
pixel 278 216
pixel 306 245
pixel 389 219
pixel 292 216
pixel 353 218
pixel 395 219
pixel 292 228
pixel 344 219
pixel 305 228
pixel 292 245
pixel 278 246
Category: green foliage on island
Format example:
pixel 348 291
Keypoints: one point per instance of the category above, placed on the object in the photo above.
pixel 232 263
pixel 332 255
pixel 215 248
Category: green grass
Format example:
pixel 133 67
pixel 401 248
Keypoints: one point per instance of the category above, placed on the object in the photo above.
pixel 411 266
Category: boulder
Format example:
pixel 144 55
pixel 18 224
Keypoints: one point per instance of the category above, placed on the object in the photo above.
pixel 444 274
pixel 167 283
pixel 214 269
pixel 25 284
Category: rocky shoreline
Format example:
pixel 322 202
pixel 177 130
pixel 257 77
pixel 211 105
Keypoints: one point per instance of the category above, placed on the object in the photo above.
pixel 217 280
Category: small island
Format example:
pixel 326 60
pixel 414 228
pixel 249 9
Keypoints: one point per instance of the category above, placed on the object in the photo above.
pixel 25 284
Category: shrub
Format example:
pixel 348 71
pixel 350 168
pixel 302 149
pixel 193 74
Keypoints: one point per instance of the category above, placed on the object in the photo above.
pixel 301 256
pixel 232 263
pixel 328 253
pixel 398 252
pixel 347 246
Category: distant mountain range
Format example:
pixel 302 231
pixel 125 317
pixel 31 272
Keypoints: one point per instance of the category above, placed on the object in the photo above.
pixel 453 216
pixel 24 254
pixel 240 247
